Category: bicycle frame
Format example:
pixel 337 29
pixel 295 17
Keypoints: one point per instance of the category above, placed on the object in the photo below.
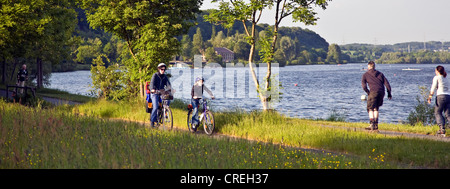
pixel 162 108
pixel 205 115
pixel 205 108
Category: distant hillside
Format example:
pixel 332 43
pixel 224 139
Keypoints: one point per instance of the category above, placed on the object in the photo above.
pixel 406 46
pixel 295 45
pixel 306 37
pixel 407 52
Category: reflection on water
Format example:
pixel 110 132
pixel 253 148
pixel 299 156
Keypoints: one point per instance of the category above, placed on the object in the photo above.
pixel 310 91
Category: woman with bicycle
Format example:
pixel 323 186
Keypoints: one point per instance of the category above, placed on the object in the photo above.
pixel 197 93
pixel 158 82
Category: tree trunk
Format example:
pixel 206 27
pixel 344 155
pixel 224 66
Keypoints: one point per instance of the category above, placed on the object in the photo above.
pixel 40 75
pixel 252 70
pixel 4 71
pixel 13 71
pixel 141 85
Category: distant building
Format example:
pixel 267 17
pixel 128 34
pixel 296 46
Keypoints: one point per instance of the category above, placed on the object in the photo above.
pixel 227 54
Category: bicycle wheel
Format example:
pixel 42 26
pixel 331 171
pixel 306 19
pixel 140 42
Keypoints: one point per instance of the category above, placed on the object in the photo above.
pixel 167 119
pixel 208 122
pixel 189 120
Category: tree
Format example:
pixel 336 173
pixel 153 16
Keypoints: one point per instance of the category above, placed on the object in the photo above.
pixel 88 50
pixel 186 47
pixel 211 56
pixel 249 14
pixel 37 29
pixel 106 81
pixel 148 27
pixel 13 25
pixel 246 13
pixel 197 43
pixel 334 54
pixel 301 11
pixel 288 47
pixel 219 40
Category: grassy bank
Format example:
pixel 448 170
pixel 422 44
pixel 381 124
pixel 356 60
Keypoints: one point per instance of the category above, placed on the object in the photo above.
pixel 55 138
pixel 275 128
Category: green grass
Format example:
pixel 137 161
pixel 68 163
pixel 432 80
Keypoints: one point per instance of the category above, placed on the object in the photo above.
pixel 82 136
pixel 56 138
pixel 275 128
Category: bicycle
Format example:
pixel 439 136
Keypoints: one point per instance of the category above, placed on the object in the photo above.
pixel 164 113
pixel 206 118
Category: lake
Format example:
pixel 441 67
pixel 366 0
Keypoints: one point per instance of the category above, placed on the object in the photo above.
pixel 309 91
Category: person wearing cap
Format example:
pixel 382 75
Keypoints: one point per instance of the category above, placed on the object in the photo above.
pixel 376 82
pixel 197 94
pixel 158 82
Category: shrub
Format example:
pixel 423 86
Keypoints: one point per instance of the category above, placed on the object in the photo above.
pixel 423 113
pixel 106 81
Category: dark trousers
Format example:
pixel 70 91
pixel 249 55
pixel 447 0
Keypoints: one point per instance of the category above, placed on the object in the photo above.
pixel 442 106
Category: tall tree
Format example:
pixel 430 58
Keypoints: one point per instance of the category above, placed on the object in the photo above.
pixel 334 54
pixel 301 11
pixel 197 43
pixel 37 29
pixel 13 25
pixel 186 47
pixel 249 14
pixel 148 27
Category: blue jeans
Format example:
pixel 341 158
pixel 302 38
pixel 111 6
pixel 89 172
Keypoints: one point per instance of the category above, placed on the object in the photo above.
pixel 442 105
pixel 156 99
pixel 195 103
pixel 155 102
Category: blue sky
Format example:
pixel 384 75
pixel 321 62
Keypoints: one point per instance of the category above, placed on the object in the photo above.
pixel 376 21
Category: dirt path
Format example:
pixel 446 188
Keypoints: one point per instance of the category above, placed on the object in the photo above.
pixel 55 101
pixel 394 133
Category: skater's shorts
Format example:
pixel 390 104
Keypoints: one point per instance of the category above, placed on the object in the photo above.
pixel 375 100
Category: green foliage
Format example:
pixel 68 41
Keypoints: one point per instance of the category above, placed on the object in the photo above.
pixel 211 56
pixel 234 38
pixel 88 50
pixel 148 27
pixel 197 43
pixel 266 53
pixel 272 127
pixel 423 113
pixel 421 57
pixel 37 31
pixel 86 142
pixel 334 54
pixel 108 82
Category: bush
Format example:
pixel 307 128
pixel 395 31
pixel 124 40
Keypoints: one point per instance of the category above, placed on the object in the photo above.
pixel 423 114
pixel 107 81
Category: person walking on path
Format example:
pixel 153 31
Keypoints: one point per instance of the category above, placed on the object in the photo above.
pixel 441 84
pixel 375 92
pixel 22 77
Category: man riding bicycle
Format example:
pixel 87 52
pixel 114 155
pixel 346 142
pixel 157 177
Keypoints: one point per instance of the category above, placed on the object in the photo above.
pixel 158 82
pixel 197 93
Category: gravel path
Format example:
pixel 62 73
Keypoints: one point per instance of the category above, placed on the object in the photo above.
pixel 54 101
